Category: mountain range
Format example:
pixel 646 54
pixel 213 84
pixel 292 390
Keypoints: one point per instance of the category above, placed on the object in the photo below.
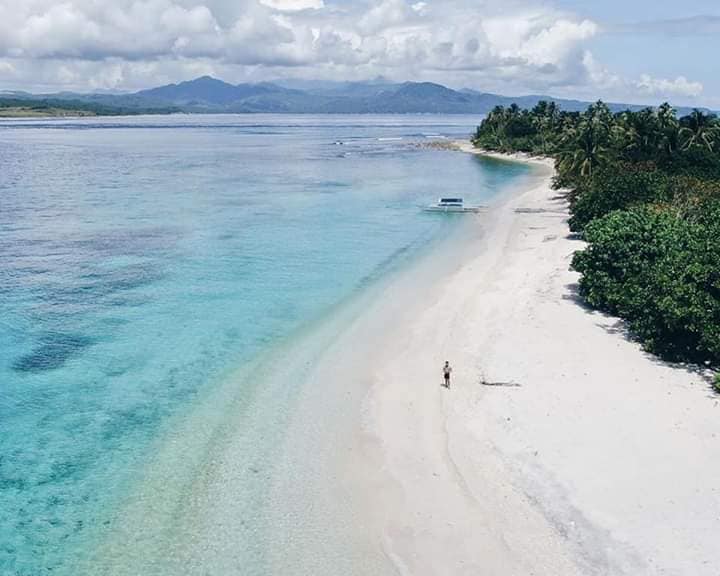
pixel 210 95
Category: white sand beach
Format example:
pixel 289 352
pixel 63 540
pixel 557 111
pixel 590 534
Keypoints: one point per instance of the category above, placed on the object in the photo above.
pixel 561 448
pixel 580 454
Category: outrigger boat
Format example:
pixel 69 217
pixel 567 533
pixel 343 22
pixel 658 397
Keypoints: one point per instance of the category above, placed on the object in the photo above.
pixel 452 205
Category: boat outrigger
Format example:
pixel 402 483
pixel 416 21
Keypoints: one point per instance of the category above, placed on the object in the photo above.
pixel 452 205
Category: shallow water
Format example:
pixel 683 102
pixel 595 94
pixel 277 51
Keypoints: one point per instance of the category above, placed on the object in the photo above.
pixel 141 259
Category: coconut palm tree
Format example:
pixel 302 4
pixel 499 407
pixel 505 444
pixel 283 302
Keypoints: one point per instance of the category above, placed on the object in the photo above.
pixel 492 129
pixel 699 130
pixel 585 149
pixel 585 145
pixel 636 134
pixel 669 129
pixel 546 118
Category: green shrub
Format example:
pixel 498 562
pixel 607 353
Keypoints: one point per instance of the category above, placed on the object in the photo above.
pixel 660 272
pixel 699 162
pixel 615 188
pixel 622 248
pixel 716 383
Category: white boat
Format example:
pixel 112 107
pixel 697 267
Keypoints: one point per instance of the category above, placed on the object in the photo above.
pixel 452 205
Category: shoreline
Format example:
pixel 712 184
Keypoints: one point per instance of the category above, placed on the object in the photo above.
pixel 183 513
pixel 438 519
pixel 560 468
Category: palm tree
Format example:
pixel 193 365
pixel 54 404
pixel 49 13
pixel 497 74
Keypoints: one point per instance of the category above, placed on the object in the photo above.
pixel 586 144
pixel 585 150
pixel 546 117
pixel 668 126
pixel 636 133
pixel 493 131
pixel 600 116
pixel 699 130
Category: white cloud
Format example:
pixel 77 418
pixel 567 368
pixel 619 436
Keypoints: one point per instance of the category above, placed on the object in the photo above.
pixel 387 14
pixel 294 5
pixel 85 30
pixel 419 7
pixel 680 86
pixel 7 67
pixel 600 76
pixel 381 37
pixel 512 46
pixel 556 42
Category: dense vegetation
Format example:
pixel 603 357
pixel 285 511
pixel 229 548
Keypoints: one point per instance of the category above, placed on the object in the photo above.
pixel 644 191
pixel 59 106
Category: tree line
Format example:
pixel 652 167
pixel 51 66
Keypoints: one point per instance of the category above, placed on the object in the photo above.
pixel 644 192
pixel 51 105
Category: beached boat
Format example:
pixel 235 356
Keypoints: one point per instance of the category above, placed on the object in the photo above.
pixel 452 205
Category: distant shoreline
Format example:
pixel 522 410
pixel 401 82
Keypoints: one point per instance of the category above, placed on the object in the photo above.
pixel 12 107
pixel 19 113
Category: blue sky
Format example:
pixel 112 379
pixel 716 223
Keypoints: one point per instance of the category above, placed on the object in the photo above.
pixel 637 10
pixel 659 38
pixel 633 51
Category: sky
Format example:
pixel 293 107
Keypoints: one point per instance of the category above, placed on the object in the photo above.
pixel 637 51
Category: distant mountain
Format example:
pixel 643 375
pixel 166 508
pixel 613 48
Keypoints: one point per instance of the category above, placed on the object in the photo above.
pixel 202 90
pixel 210 95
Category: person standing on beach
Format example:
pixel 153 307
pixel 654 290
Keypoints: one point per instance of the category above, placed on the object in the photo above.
pixel 447 369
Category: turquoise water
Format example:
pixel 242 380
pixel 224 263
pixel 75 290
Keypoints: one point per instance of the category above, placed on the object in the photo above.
pixel 141 259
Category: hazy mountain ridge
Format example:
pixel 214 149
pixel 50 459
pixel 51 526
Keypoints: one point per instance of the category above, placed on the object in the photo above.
pixel 210 95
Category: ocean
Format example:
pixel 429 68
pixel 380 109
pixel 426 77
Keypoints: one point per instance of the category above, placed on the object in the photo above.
pixel 146 260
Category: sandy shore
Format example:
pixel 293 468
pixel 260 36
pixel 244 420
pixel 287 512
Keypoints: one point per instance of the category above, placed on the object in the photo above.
pixel 584 456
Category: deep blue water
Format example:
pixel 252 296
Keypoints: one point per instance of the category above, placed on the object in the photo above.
pixel 141 258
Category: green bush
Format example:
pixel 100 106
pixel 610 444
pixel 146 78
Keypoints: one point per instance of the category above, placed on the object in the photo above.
pixel 622 248
pixel 660 272
pixel 615 188
pixel 699 162
pixel 716 383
